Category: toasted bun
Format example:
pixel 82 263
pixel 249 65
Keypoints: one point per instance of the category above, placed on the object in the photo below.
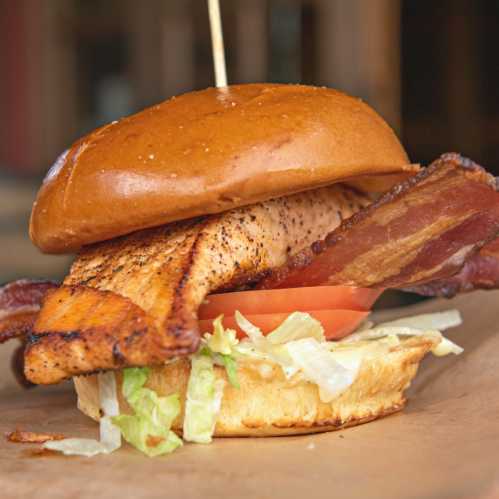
pixel 268 404
pixel 206 152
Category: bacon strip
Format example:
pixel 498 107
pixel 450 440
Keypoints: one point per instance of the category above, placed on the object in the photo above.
pixel 31 437
pixel 20 302
pixel 422 230
pixel 480 272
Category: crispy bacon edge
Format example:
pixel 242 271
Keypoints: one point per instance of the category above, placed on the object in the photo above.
pixel 452 189
pixel 480 272
pixel 30 437
pixel 424 229
pixel 20 302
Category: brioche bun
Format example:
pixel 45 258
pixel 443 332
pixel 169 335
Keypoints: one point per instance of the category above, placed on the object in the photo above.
pixel 207 152
pixel 268 404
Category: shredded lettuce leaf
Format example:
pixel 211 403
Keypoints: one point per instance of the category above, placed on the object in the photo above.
pixel 148 429
pixel 299 345
pixel 221 346
pixel 230 364
pixel 134 378
pixel 222 340
pixel 446 347
pixel 273 348
pixel 296 326
pixel 320 366
pixel 203 400
pixel 439 321
pixel 431 324
pixel 254 334
pixel 443 347
pixel 110 437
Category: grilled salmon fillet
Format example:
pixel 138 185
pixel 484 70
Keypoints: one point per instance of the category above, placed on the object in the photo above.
pixel 133 301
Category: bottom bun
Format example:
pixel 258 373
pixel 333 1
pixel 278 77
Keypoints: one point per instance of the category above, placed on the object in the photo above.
pixel 269 404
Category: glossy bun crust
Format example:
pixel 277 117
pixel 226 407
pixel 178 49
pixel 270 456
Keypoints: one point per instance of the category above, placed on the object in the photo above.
pixel 272 405
pixel 206 152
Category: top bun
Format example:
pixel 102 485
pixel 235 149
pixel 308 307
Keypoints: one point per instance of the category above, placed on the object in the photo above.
pixel 207 152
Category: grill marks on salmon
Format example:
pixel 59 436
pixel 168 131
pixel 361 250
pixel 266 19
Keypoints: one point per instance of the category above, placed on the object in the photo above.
pixel 133 301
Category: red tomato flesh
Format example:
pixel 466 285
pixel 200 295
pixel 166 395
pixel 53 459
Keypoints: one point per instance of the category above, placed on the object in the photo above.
pixel 272 301
pixel 336 323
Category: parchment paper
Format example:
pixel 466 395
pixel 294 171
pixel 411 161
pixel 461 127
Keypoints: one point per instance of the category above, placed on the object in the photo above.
pixel 444 445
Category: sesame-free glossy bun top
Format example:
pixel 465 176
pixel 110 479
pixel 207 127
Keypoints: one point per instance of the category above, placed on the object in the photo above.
pixel 207 152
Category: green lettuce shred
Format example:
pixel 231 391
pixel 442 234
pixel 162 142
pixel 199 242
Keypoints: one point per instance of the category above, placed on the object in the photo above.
pixel 203 400
pixel 221 346
pixel 230 364
pixel 148 429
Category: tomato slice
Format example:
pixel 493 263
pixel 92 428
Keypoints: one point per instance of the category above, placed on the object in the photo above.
pixel 272 301
pixel 336 323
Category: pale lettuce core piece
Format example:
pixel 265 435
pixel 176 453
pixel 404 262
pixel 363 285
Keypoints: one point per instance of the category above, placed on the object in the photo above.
pixel 417 325
pixel 203 400
pixel 110 437
pixel 296 326
pixel 436 322
pixel 148 429
pixel 439 321
pixel 320 366
pixel 222 347
pixel 222 340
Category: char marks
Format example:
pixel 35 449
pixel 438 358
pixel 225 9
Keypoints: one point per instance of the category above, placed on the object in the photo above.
pixel 133 301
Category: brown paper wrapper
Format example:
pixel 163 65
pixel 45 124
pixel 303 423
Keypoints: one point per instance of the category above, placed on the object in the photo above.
pixel 445 443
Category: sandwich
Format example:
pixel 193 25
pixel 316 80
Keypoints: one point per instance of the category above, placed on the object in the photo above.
pixel 230 244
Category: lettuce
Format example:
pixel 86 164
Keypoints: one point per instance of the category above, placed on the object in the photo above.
pixel 203 400
pixel 439 321
pixel 134 378
pixel 148 429
pixel 151 439
pixel 272 347
pixel 222 340
pixel 221 346
pixel 299 345
pixel 432 324
pixel 320 366
pixel 230 364
pixel 418 325
pixel 110 437
pixel 296 326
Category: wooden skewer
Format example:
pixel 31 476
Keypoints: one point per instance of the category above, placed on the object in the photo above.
pixel 217 43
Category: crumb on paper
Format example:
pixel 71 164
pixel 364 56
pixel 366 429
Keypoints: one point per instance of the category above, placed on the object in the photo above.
pixel 311 446
pixel 31 437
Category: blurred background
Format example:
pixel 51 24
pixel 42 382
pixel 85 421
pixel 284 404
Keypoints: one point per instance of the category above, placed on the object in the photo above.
pixel 67 66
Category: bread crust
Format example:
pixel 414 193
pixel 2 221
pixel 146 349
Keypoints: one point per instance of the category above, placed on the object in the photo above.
pixel 207 152
pixel 271 405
